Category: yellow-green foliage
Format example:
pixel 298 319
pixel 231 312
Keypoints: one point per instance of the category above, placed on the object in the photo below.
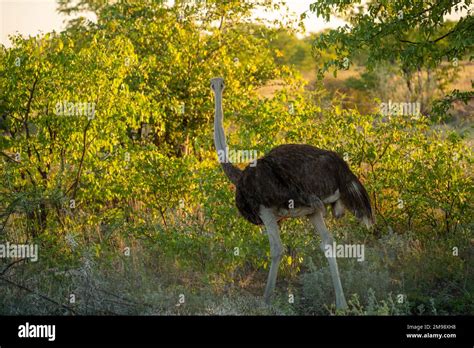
pixel 163 196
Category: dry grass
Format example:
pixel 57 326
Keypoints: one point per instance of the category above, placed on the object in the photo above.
pixel 394 89
pixel 270 89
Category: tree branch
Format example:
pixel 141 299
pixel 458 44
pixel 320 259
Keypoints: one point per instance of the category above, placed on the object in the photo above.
pixel 10 265
pixel 8 157
pixel 81 162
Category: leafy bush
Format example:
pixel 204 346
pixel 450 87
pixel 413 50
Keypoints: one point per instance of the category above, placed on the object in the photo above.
pixel 142 177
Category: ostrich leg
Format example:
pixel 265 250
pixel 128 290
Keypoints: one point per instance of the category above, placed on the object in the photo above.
pixel 276 249
pixel 327 240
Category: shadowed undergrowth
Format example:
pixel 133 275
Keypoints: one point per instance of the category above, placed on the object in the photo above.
pixel 400 276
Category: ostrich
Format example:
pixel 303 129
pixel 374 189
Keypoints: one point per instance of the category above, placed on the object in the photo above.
pixel 292 180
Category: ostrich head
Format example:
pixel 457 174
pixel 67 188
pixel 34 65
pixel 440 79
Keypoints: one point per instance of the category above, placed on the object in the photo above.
pixel 217 84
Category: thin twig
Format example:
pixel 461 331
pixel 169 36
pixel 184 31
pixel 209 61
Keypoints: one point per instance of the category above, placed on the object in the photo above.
pixel 10 265
pixel 37 294
pixel 8 157
pixel 124 298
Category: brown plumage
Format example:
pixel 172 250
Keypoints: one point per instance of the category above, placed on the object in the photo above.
pixel 302 174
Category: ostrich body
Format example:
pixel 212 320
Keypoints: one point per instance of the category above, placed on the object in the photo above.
pixel 293 180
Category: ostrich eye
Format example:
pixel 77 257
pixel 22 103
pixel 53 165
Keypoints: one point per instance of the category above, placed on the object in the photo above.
pixel 212 86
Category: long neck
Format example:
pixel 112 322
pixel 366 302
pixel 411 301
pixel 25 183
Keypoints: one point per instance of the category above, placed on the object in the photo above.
pixel 232 172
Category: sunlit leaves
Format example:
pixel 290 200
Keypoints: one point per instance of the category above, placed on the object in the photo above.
pixel 413 35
